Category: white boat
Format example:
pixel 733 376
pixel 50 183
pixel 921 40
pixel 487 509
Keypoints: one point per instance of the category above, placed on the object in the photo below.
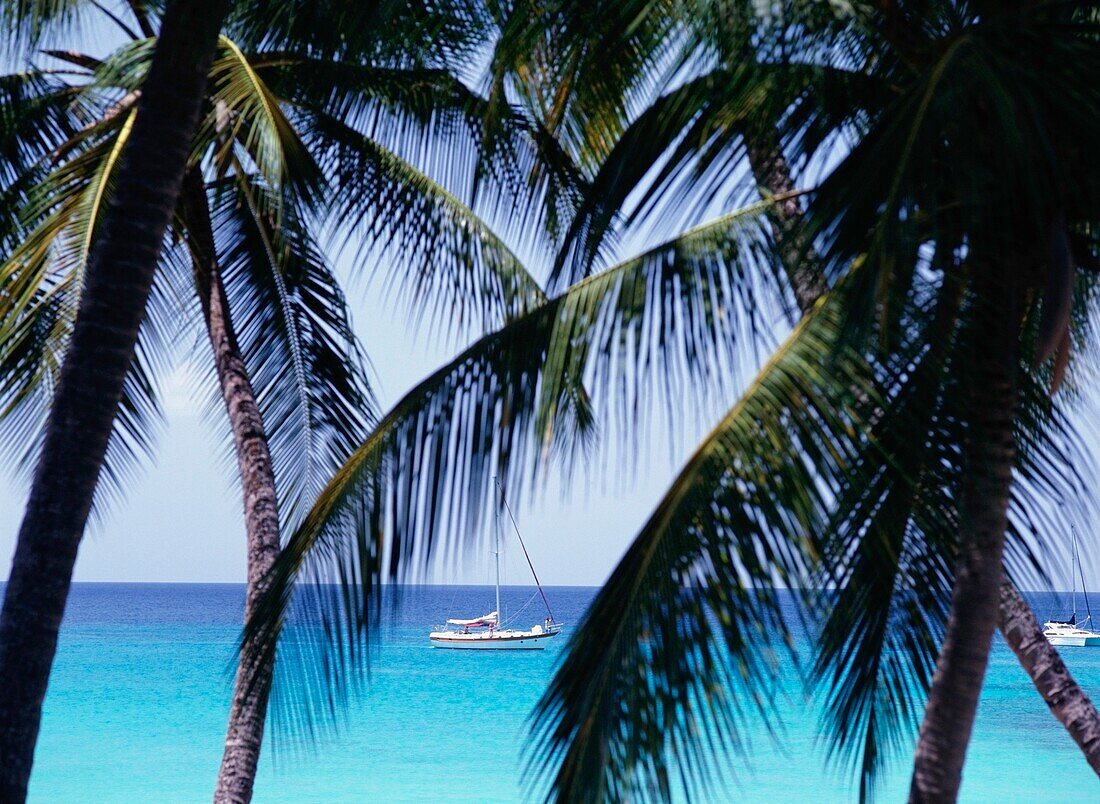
pixel 482 634
pixel 1071 632
pixel 486 632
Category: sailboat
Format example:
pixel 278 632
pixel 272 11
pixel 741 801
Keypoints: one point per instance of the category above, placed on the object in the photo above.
pixel 488 632
pixel 1071 633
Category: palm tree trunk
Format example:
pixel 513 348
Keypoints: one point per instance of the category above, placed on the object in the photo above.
pixel 248 710
pixel 990 456
pixel 773 177
pixel 1040 660
pixel 112 307
pixel 1067 701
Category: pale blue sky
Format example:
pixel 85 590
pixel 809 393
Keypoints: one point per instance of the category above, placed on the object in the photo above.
pixel 182 521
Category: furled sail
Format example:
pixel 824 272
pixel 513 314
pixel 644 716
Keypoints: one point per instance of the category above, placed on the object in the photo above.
pixel 488 620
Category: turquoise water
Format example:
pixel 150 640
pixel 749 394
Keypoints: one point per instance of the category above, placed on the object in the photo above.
pixel 138 700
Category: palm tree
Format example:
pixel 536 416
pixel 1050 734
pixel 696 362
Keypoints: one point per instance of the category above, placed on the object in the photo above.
pixel 830 82
pixel 119 279
pixel 709 123
pixel 1015 255
pixel 275 122
pixel 914 241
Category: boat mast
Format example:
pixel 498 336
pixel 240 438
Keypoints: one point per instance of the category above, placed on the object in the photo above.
pixel 1072 575
pixel 499 617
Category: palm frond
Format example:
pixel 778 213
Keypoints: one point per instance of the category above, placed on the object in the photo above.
pixel 854 500
pixel 409 33
pixel 125 68
pixel 419 488
pixel 459 267
pixel 292 323
pixel 36 114
pixel 26 21
pixel 43 277
pixel 636 152
pixel 916 129
pixel 887 565
pixel 676 651
pixel 244 111
pixel 580 65
pixel 495 157
pixel 888 569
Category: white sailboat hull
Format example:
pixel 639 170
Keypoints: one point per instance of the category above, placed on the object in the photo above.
pixel 499 640
pixel 1071 635
pixel 1074 640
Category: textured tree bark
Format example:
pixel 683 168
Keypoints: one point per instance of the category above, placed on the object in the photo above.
pixel 773 176
pixel 990 456
pixel 119 278
pixel 1021 630
pixel 248 710
pixel 1067 701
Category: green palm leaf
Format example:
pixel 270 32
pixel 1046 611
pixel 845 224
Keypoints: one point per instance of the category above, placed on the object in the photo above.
pixel 27 20
pixel 43 275
pixel 458 263
pixel 852 501
pixel 668 318
pixel 292 323
pixel 413 33
pixel 492 156
pixel 889 573
pixel 253 119
pixel 580 65
pixel 674 653
pixel 35 115
pixel 688 147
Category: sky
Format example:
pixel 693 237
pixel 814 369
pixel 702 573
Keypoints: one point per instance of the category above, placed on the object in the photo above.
pixel 182 520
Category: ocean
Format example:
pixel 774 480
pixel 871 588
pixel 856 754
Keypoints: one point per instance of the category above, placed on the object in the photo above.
pixel 138 701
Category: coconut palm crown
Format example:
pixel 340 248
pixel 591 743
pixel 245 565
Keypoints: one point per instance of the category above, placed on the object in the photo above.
pixel 956 229
pixel 287 143
pixel 294 134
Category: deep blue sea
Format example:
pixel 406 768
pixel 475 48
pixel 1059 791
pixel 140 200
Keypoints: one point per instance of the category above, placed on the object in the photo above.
pixel 138 701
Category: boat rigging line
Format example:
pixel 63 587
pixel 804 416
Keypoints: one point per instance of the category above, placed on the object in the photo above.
pixel 490 631
pixel 512 618
pixel 1081 572
pixel 534 575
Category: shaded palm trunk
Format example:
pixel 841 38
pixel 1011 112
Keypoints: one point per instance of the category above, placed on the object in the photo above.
pixel 773 177
pixel 990 456
pixel 112 306
pixel 1067 701
pixel 1040 660
pixel 248 710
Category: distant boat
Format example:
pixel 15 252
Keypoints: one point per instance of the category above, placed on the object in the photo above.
pixel 1071 633
pixel 488 632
